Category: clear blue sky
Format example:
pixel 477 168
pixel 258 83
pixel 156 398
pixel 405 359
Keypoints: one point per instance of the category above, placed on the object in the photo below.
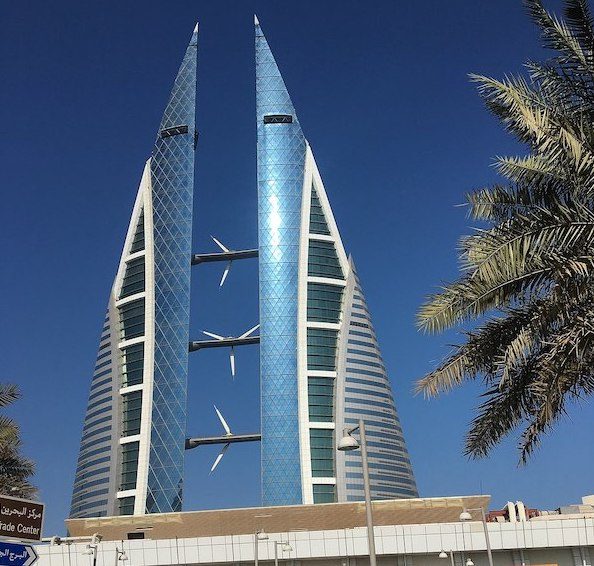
pixel 400 135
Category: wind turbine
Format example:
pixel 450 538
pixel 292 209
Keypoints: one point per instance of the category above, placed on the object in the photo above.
pixel 228 266
pixel 232 351
pixel 227 433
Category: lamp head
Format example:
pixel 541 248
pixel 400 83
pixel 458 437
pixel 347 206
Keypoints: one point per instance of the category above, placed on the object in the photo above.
pixel 286 547
pixel 469 562
pixel 465 516
pixel 347 443
pixel 261 535
pixel 123 556
pixel 89 549
pixel 443 554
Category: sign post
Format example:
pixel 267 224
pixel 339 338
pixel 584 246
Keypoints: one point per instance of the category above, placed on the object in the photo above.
pixel 20 520
pixel 13 554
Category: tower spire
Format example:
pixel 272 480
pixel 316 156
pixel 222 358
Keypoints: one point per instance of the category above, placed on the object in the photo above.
pixel 272 96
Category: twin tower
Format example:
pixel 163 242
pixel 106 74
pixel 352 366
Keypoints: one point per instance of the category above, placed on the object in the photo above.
pixel 320 365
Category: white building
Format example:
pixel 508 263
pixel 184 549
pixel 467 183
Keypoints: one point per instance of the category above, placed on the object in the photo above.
pixel 407 532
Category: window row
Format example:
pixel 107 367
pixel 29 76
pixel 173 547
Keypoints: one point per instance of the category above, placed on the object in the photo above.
pixel 317 219
pixel 322 452
pixel 324 302
pixel 126 506
pixel 321 399
pixel 132 319
pixel 132 364
pixel 324 493
pixel 321 349
pixel 138 240
pixel 129 465
pixel 133 281
pixel 131 413
pixel 323 260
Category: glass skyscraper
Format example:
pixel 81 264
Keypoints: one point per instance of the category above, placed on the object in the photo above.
pixel 320 365
pixel 132 448
pixel 321 368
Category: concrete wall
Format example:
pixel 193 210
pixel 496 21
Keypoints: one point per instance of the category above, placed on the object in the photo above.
pixel 565 542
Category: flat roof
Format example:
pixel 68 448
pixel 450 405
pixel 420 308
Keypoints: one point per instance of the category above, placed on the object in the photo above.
pixel 283 519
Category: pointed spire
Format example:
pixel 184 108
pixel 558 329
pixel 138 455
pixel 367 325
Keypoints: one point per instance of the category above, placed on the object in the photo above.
pixel 181 108
pixel 272 96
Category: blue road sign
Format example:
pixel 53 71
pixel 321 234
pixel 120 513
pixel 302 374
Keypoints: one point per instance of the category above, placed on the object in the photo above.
pixel 13 554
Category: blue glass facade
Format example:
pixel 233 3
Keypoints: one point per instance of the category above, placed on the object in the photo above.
pixel 131 461
pixel 314 380
pixel 281 158
pixel 172 178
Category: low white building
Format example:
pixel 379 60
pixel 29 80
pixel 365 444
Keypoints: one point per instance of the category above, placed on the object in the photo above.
pixel 407 533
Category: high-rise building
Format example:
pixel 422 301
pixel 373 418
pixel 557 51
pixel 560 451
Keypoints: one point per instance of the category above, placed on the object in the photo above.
pixel 132 447
pixel 320 365
pixel 321 368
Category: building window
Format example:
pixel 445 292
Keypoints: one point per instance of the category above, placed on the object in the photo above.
pixel 132 365
pixel 131 411
pixel 133 278
pixel 324 302
pixel 322 452
pixel 323 260
pixel 278 119
pixel 127 506
pixel 321 349
pixel 129 465
pixel 138 240
pixel 321 399
pixel 174 131
pixel 132 319
pixel 323 493
pixel 317 219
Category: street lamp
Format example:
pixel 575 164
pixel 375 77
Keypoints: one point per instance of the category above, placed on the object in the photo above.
pixel 466 516
pixel 444 554
pixel 258 536
pixel 120 555
pixel 285 547
pixel 348 442
pixel 91 550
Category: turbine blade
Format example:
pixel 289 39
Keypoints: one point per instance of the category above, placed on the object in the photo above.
pixel 213 335
pixel 223 421
pixel 232 360
pixel 225 273
pixel 219 244
pixel 246 334
pixel 219 458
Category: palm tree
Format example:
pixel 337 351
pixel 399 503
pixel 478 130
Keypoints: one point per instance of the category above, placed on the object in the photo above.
pixel 15 470
pixel 525 297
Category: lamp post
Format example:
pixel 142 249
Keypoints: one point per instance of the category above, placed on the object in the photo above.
pixel 258 536
pixel 285 547
pixel 91 550
pixel 120 555
pixel 347 442
pixel 466 516
pixel 444 554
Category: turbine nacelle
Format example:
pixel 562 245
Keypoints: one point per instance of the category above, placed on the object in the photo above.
pixel 232 350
